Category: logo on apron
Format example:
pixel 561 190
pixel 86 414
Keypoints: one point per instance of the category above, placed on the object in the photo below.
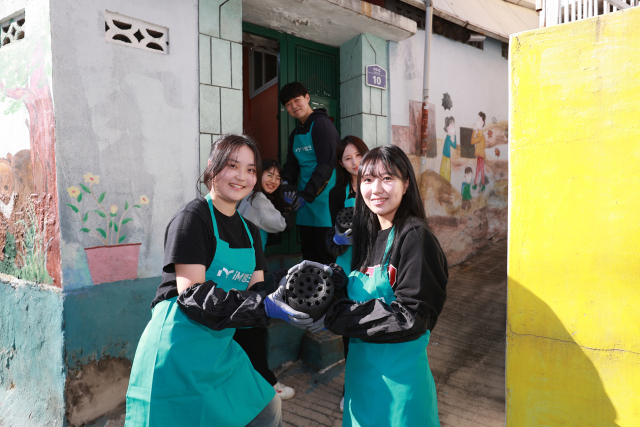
pixel 238 276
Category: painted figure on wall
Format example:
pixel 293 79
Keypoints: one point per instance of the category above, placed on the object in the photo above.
pixel 478 140
pixel 29 229
pixel 449 142
pixel 466 188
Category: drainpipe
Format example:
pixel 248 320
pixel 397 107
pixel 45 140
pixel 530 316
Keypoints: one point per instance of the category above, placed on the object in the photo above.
pixel 425 81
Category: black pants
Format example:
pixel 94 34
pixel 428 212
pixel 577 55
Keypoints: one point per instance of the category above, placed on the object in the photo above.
pixel 313 244
pixel 252 341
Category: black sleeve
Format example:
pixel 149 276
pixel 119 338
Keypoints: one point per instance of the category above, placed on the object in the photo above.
pixel 187 240
pixel 336 202
pixel 333 248
pixel 419 287
pixel 325 140
pixel 291 168
pixel 289 217
pixel 214 308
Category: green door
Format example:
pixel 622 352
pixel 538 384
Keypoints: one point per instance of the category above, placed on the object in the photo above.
pixel 317 67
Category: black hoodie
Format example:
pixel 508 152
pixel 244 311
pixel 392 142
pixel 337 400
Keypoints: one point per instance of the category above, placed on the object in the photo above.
pixel 325 140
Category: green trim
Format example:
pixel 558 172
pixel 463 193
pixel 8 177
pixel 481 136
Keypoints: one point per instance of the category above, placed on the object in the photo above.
pixel 287 73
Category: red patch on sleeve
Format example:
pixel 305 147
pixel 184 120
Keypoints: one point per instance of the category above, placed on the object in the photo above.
pixel 392 274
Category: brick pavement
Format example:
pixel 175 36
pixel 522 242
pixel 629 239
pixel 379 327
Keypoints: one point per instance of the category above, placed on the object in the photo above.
pixel 466 354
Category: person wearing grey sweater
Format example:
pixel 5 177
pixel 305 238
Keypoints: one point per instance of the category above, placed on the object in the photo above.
pixel 262 213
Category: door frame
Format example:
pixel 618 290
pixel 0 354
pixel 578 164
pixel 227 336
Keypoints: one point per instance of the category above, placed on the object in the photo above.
pixel 286 73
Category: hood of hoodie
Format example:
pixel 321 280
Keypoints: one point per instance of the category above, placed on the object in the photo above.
pixel 317 113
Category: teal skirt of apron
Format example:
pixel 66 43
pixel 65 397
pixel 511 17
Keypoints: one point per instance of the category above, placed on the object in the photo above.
pixel 344 260
pixel 387 385
pixel 185 374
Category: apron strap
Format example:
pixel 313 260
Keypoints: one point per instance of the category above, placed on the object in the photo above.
pixel 388 247
pixel 215 224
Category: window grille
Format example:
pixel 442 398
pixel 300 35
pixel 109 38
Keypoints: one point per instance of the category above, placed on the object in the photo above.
pixel 12 28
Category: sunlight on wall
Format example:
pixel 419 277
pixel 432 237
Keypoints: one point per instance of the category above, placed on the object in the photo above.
pixel 573 326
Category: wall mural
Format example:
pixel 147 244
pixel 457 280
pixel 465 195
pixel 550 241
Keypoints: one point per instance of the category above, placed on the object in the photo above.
pixel 29 228
pixel 465 184
pixel 113 260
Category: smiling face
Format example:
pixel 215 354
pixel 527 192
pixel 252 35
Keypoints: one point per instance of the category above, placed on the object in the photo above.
pixel 271 180
pixel 235 181
pixel 351 159
pixel 299 107
pixel 382 193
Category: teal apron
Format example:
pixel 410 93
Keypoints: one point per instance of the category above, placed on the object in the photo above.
pixel 387 385
pixel 344 260
pixel 185 374
pixel 315 214
pixel 264 236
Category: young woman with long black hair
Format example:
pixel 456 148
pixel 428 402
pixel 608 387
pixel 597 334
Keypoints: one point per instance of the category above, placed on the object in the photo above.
pixel 266 208
pixel 396 293
pixel 187 370
pixel 348 158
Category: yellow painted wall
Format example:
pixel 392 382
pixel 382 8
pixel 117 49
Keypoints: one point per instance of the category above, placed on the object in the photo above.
pixel 573 325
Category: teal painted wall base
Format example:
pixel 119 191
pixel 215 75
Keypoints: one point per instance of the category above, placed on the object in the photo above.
pixel 106 320
pixel 32 372
pixel 322 349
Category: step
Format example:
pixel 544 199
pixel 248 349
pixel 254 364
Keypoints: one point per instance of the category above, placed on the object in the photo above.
pixel 322 349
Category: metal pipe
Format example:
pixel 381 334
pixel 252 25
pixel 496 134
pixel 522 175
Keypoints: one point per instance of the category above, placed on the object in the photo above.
pixel 428 23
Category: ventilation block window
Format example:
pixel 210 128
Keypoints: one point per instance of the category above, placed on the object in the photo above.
pixel 127 31
pixel 12 28
pixel 263 71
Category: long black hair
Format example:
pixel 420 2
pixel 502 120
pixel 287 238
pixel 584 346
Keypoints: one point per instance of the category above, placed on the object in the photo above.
pixel 221 151
pixel 383 160
pixel 343 177
pixel 277 197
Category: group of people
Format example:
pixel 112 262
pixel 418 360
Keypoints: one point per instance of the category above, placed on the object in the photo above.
pixel 202 358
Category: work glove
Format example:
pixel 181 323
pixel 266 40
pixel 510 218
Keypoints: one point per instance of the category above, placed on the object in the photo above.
pixel 318 325
pixel 342 238
pixel 304 264
pixel 277 308
pixel 289 196
pixel 298 203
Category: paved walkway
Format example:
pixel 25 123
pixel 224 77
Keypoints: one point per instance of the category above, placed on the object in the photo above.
pixel 466 354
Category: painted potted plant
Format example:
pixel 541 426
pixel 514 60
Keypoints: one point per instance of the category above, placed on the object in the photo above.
pixel 113 260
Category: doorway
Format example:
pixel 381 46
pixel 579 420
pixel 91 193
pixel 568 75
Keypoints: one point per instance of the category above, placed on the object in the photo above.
pixel 272 59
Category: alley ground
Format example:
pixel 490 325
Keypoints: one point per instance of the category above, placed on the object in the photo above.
pixel 466 354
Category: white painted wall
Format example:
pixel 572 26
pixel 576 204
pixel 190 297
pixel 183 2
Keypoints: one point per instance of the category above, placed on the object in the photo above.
pixel 127 115
pixel 476 80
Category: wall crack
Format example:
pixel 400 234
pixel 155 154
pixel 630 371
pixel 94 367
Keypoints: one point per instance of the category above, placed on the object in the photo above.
pixel 573 342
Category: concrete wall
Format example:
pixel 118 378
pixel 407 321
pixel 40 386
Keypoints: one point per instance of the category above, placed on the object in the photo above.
pixel 473 80
pixel 129 117
pixel 573 337
pixel 32 372
pixel 363 109
pixel 220 47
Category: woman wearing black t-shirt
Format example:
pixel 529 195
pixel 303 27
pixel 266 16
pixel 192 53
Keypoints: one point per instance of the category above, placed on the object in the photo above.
pixel 396 293
pixel 187 370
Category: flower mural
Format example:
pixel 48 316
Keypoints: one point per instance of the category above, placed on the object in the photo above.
pixel 113 260
pixel 109 233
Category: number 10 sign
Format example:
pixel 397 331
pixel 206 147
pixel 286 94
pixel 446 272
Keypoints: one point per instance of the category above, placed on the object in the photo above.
pixel 376 76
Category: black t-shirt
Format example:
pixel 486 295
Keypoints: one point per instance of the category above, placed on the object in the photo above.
pixel 189 239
